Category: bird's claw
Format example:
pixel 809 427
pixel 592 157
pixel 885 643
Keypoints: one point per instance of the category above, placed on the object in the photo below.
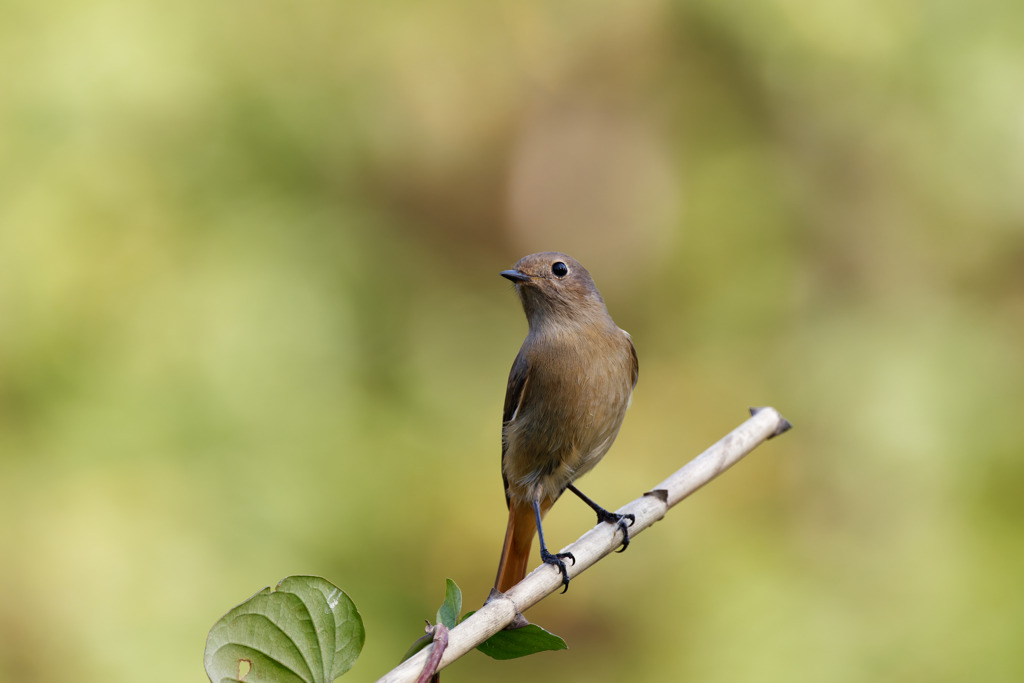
pixel 556 559
pixel 620 522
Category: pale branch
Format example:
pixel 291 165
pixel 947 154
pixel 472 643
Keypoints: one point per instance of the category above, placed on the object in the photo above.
pixel 500 611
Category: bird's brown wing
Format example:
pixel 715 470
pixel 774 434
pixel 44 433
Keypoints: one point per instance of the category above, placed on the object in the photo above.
pixel 516 385
pixel 636 362
pixel 513 400
pixel 515 552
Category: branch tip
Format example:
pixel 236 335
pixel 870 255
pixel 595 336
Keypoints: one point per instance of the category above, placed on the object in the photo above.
pixel 784 426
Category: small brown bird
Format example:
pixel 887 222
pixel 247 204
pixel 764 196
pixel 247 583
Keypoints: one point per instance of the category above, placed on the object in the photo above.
pixel 567 394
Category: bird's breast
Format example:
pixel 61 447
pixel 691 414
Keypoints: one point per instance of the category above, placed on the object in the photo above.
pixel 573 403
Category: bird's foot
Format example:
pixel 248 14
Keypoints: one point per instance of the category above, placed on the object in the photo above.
pixel 557 559
pixel 620 522
pixel 605 516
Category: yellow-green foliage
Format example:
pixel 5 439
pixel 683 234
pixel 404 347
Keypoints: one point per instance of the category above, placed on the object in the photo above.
pixel 251 324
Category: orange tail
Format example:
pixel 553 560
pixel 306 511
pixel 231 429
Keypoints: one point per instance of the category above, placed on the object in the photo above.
pixel 515 554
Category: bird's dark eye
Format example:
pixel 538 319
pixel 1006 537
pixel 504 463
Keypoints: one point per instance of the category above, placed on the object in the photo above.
pixel 559 269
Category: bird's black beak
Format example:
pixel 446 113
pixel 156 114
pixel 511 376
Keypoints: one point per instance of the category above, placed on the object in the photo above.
pixel 515 276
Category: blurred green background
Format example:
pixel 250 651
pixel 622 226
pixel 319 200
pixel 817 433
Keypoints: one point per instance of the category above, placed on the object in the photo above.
pixel 251 324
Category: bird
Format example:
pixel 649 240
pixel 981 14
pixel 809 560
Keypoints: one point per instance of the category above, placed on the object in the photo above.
pixel 567 394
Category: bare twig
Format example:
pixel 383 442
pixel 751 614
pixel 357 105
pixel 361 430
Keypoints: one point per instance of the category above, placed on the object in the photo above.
pixel 598 542
pixel 440 633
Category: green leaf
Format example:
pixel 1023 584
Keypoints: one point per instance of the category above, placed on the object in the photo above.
pixel 448 612
pixel 305 630
pixel 519 642
pixel 418 645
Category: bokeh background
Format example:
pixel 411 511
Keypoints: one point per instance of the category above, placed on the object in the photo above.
pixel 251 324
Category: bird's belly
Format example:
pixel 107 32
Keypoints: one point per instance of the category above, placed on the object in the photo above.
pixel 550 445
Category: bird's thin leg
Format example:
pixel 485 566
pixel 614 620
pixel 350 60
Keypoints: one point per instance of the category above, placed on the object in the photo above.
pixel 551 558
pixel 610 517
